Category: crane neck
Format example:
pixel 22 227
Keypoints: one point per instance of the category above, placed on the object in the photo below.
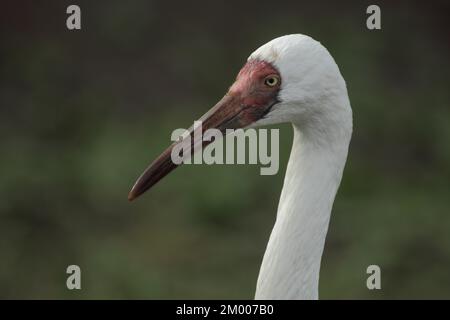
pixel 291 263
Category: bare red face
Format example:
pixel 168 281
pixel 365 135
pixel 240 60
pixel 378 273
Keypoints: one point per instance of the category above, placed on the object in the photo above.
pixel 249 99
pixel 258 84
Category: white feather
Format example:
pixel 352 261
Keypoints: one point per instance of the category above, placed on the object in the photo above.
pixel 314 98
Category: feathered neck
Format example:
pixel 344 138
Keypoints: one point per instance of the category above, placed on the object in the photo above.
pixel 291 263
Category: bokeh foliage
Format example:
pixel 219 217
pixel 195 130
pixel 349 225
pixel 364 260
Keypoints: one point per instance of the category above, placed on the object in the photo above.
pixel 82 113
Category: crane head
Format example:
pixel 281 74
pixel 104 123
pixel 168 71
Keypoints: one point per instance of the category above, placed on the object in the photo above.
pixel 289 79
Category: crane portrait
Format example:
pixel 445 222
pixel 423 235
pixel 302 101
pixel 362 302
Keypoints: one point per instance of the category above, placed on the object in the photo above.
pixel 336 186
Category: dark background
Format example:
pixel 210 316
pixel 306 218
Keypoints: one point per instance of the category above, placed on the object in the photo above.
pixel 82 113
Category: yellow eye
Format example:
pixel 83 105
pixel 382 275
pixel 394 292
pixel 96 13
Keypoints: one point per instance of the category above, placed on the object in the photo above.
pixel 271 81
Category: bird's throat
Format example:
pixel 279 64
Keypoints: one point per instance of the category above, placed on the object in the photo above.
pixel 291 263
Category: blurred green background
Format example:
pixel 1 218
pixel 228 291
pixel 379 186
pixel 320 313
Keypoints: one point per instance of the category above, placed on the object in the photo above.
pixel 82 113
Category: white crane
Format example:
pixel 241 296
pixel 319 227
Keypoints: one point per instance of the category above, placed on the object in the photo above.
pixel 289 79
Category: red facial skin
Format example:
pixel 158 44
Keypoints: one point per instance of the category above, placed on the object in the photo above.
pixel 250 84
pixel 248 100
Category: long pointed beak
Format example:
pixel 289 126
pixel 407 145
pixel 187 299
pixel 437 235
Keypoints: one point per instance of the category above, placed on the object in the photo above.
pixel 244 104
pixel 228 113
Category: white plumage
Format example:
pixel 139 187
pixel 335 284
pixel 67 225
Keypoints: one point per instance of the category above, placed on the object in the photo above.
pixel 314 99
pixel 290 79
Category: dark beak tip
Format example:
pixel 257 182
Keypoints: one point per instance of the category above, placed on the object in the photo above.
pixel 132 195
pixel 227 113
